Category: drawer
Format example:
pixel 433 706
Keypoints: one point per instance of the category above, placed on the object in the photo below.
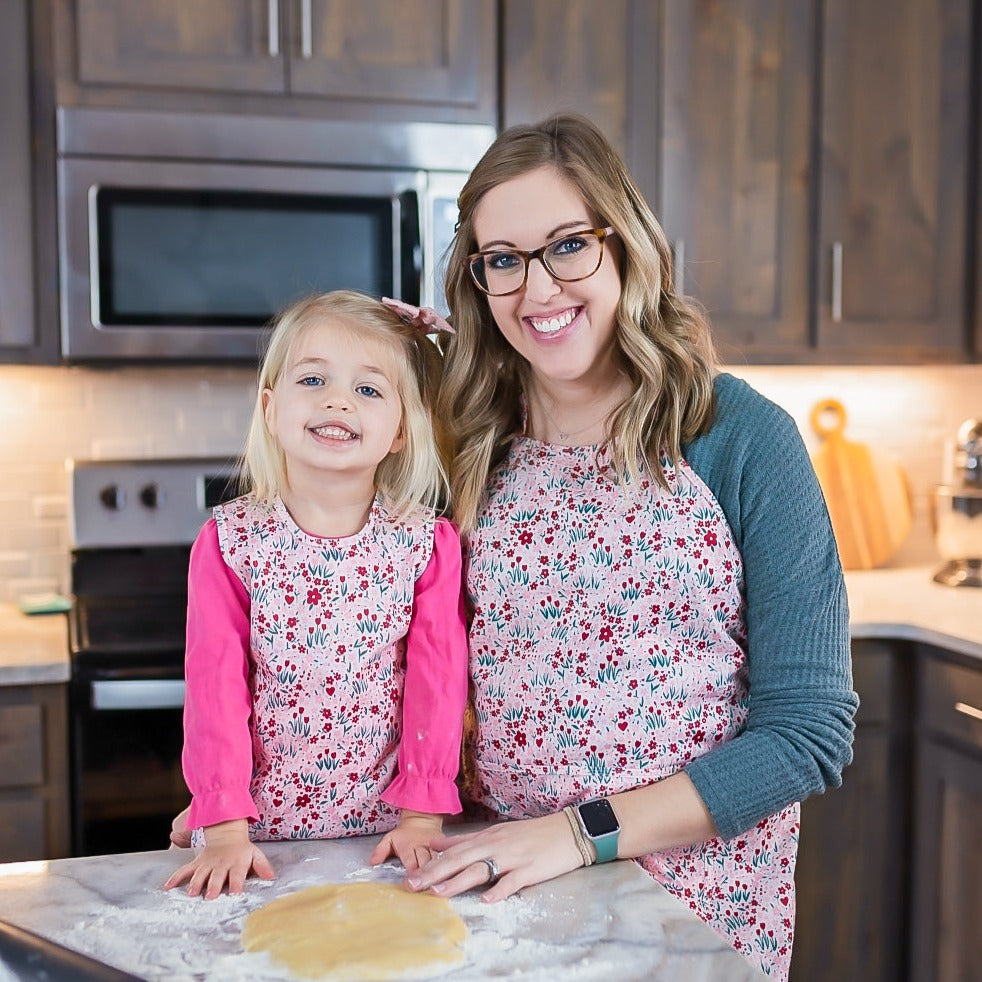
pixel 22 742
pixel 951 700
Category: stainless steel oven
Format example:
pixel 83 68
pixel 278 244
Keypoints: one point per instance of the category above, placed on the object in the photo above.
pixel 181 235
pixel 132 526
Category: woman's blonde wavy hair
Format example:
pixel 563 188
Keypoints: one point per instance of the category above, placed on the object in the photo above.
pixel 409 479
pixel 663 338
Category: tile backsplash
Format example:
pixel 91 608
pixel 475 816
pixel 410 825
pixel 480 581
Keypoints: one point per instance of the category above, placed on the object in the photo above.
pixel 48 415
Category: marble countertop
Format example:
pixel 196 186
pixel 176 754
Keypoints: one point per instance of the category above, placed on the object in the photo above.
pixel 602 923
pixel 899 603
pixel 905 603
pixel 33 648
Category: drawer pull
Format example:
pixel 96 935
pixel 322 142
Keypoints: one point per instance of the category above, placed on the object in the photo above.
pixel 967 710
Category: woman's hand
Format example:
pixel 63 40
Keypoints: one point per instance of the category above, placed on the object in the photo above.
pixel 228 856
pixel 410 841
pixel 525 852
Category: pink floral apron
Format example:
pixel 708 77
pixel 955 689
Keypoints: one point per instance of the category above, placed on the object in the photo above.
pixel 607 651
pixel 329 619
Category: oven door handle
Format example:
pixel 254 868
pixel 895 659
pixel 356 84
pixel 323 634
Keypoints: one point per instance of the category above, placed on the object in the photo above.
pixel 138 694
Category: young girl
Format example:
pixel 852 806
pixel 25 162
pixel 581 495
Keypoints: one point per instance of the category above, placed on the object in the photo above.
pixel 325 618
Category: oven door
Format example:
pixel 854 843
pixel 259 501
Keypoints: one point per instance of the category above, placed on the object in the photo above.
pixel 188 261
pixel 127 737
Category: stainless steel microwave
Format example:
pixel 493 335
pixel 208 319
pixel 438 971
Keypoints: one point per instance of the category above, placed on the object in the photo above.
pixel 180 236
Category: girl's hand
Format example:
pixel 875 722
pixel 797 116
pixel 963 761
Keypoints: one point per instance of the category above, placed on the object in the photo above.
pixel 228 856
pixel 526 852
pixel 409 841
pixel 424 318
pixel 180 834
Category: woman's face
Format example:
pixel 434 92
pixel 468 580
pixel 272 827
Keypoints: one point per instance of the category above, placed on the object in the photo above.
pixel 564 330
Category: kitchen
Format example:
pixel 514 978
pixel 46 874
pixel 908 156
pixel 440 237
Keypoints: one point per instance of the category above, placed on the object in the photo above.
pixel 906 402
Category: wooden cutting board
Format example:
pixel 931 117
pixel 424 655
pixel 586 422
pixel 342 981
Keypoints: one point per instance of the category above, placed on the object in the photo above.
pixel 866 491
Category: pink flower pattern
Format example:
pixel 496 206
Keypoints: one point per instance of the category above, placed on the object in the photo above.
pixel 608 649
pixel 329 621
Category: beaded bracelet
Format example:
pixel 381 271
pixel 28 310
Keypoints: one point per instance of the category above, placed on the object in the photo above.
pixel 581 845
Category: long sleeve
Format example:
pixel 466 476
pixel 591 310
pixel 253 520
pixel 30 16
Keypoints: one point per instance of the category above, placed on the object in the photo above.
pixel 436 685
pixel 798 736
pixel 217 756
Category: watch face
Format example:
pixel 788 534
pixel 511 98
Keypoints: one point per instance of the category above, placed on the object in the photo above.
pixel 598 817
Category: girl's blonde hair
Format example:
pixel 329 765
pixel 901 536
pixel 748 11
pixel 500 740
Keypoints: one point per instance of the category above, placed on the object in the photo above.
pixel 663 338
pixel 412 477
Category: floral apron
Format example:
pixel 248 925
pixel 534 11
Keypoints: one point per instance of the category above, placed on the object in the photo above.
pixel 607 651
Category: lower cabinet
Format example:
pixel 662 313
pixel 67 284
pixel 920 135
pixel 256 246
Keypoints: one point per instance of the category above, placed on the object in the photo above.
pixel 889 875
pixel 947 895
pixel 852 870
pixel 34 810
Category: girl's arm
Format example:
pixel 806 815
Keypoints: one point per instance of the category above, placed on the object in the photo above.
pixel 433 701
pixel 217 756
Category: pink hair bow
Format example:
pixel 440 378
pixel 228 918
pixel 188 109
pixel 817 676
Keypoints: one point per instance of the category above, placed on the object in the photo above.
pixel 426 319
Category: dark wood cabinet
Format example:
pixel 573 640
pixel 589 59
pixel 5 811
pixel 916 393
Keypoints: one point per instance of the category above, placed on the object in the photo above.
pixel 417 60
pixel 889 875
pixel 19 339
pixel 851 874
pixel 815 174
pixel 947 895
pixel 595 59
pixel 735 185
pixel 894 184
pixel 34 810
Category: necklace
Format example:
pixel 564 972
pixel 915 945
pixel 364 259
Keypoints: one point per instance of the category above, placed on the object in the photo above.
pixel 565 435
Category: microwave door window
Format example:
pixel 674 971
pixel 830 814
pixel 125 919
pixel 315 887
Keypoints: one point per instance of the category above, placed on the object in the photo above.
pixel 233 259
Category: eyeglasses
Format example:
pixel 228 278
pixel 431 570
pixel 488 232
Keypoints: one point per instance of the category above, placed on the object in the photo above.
pixel 498 272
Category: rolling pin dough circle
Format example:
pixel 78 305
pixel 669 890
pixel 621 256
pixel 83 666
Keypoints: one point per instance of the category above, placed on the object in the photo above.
pixel 363 931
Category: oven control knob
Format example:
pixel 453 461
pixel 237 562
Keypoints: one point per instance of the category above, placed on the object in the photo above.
pixel 113 497
pixel 150 495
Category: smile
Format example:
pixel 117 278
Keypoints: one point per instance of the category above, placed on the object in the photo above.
pixel 550 325
pixel 334 432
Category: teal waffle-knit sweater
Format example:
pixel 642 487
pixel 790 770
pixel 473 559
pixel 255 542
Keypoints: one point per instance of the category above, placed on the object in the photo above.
pixel 798 736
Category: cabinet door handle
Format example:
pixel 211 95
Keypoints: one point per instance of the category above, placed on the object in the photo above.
pixel 273 15
pixel 967 710
pixel 678 267
pixel 836 282
pixel 306 29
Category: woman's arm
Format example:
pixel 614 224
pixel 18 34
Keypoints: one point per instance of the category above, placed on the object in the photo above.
pixel 798 735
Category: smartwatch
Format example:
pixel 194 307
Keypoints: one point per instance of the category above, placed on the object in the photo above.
pixel 600 826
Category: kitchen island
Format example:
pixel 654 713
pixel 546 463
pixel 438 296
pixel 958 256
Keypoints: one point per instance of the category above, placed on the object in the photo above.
pixel 608 922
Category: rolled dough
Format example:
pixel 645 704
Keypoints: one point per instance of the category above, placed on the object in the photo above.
pixel 363 931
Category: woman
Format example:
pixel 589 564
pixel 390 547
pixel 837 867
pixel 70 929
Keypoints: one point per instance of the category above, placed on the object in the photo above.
pixel 659 640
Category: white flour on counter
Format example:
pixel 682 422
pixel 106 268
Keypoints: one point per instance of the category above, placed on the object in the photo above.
pixel 187 939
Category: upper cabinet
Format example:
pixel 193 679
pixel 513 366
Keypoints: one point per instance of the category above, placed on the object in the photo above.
pixel 809 160
pixel 894 178
pixel 418 59
pixel 18 321
pixel 816 174
pixel 595 59
pixel 734 189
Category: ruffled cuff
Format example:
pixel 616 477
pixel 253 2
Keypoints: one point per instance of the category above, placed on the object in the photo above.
pixel 221 805
pixel 433 795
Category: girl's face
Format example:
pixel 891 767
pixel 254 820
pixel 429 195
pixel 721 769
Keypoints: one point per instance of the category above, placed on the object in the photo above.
pixel 336 406
pixel 564 330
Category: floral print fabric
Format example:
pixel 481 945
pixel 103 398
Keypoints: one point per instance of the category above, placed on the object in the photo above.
pixel 607 650
pixel 329 620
